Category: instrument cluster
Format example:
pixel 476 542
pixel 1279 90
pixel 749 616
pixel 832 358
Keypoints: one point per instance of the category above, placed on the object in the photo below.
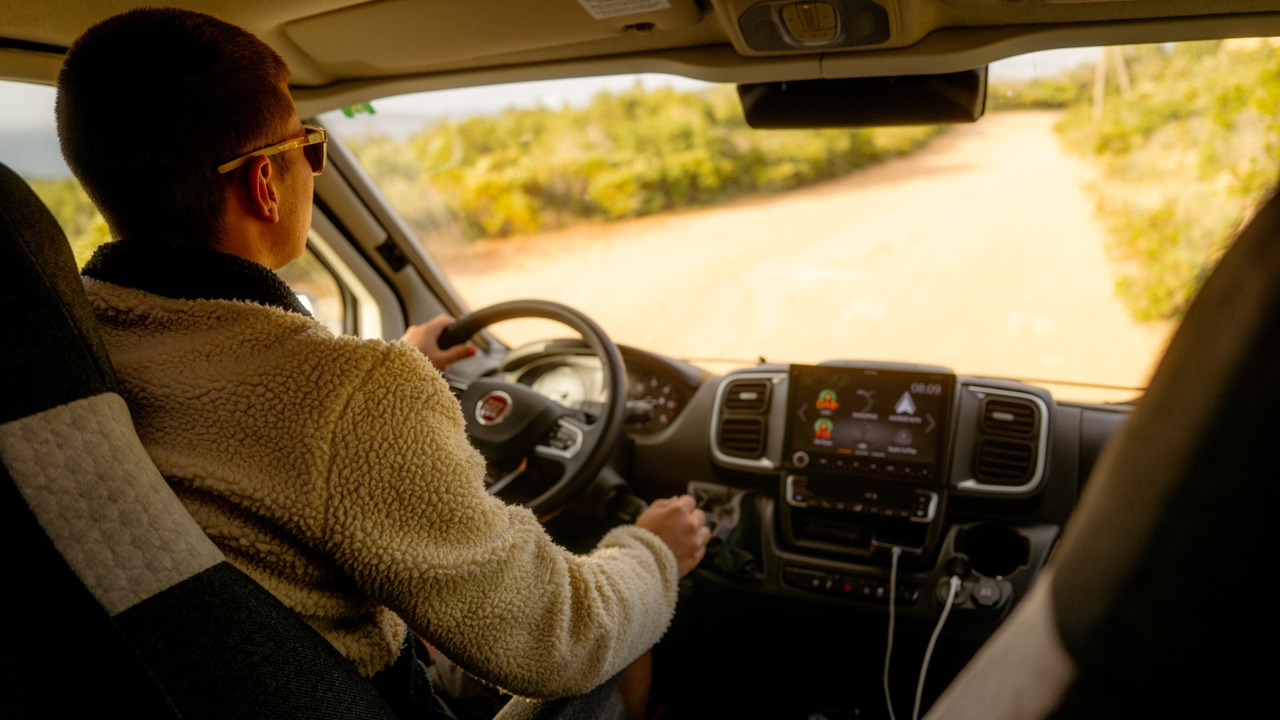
pixel 572 377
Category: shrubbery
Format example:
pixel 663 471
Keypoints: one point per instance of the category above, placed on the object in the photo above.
pixel 627 154
pixel 1039 93
pixel 79 219
pixel 1184 160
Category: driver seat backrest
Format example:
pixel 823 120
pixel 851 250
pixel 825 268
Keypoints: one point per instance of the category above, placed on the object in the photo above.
pixel 1154 603
pixel 113 596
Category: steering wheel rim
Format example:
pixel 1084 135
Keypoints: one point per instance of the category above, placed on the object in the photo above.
pixel 597 439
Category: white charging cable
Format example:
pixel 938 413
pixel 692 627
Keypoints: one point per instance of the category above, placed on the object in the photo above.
pixel 928 653
pixel 888 651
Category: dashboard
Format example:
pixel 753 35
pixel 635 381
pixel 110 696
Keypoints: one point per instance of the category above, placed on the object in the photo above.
pixel 567 372
pixel 811 476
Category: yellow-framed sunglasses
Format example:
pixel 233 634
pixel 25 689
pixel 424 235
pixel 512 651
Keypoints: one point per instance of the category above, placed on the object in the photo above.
pixel 313 145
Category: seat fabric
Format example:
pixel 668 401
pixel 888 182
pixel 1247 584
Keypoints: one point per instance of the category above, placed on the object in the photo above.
pixel 1156 589
pixel 114 599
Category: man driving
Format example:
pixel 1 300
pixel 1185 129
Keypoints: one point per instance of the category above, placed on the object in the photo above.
pixel 335 471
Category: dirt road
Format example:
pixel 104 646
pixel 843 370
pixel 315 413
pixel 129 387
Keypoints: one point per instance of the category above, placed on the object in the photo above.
pixel 979 252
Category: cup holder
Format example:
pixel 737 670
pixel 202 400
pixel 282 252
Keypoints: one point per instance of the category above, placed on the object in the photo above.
pixel 995 551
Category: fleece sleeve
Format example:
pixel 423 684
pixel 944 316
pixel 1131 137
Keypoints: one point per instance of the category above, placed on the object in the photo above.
pixel 409 519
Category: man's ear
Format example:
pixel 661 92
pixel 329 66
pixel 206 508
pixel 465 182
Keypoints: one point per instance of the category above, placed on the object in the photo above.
pixel 264 203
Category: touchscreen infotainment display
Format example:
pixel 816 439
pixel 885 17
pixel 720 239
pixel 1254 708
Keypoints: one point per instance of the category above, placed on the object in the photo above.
pixel 864 421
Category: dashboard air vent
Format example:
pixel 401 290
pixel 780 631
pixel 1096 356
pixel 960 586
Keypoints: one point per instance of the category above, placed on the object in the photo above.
pixel 1003 462
pixel 742 437
pixel 747 396
pixel 1007 416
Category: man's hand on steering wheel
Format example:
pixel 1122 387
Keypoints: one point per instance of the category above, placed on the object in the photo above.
pixel 510 423
pixel 426 337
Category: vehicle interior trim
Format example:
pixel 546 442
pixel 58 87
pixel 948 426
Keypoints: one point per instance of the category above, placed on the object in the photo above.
pixel 567 452
pixel 956 49
pixel 943 50
pixel 933 507
pixel 1034 482
pixel 363 283
pixel 391 226
pixel 762 463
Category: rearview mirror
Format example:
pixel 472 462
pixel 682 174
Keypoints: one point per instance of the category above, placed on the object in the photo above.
pixel 866 102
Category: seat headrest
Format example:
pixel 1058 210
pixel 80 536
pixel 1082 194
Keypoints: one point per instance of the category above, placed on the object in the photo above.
pixel 1150 579
pixel 56 354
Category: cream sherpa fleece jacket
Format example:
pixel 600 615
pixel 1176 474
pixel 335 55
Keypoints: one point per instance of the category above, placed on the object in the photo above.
pixel 336 472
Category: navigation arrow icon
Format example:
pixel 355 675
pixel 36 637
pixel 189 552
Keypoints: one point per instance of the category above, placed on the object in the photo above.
pixel 932 423
pixel 905 406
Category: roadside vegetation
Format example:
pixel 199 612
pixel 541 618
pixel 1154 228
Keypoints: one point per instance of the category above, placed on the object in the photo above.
pixel 523 171
pixel 1186 138
pixel 624 155
pixel 84 227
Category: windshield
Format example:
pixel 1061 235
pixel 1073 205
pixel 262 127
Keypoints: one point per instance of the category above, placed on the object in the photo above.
pixel 1059 238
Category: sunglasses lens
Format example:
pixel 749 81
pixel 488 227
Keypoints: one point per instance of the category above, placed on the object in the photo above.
pixel 316 156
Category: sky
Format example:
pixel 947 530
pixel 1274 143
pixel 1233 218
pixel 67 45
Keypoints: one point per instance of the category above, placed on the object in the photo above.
pixel 28 141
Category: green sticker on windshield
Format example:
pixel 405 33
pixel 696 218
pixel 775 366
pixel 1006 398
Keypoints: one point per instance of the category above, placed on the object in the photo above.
pixel 364 107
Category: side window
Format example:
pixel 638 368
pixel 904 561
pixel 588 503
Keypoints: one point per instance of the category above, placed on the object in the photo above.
pixel 320 291
pixel 29 146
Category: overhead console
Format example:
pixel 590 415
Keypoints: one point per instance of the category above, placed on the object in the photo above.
pixel 786 25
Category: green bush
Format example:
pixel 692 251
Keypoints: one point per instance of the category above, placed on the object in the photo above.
pixel 84 227
pixel 626 154
pixel 1183 161
pixel 1038 93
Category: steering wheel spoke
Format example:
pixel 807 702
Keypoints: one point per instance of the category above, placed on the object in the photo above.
pixel 510 423
pixel 457 385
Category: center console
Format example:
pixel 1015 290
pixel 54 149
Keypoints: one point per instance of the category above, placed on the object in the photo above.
pixel 837 466
pixel 864 457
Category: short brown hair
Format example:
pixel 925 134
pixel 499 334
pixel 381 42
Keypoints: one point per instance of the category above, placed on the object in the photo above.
pixel 150 102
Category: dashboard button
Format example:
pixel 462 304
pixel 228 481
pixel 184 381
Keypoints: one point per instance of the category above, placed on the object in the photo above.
pixel 800 459
pixel 921 507
pixel 848 586
pixel 881 591
pixel 987 593
pixel 804 579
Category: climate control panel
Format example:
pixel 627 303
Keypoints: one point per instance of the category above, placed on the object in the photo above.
pixel 915 505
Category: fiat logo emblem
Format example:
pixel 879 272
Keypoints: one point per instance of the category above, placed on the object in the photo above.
pixel 493 408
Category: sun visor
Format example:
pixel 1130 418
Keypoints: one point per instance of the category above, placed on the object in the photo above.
pixel 397 35
pixel 866 102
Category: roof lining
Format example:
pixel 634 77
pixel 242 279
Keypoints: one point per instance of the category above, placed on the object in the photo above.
pixel 28 46
pixel 943 50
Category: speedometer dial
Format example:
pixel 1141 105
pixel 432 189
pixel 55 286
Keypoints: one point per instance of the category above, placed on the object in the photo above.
pixel 564 385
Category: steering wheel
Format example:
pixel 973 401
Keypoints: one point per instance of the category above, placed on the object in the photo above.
pixel 508 421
